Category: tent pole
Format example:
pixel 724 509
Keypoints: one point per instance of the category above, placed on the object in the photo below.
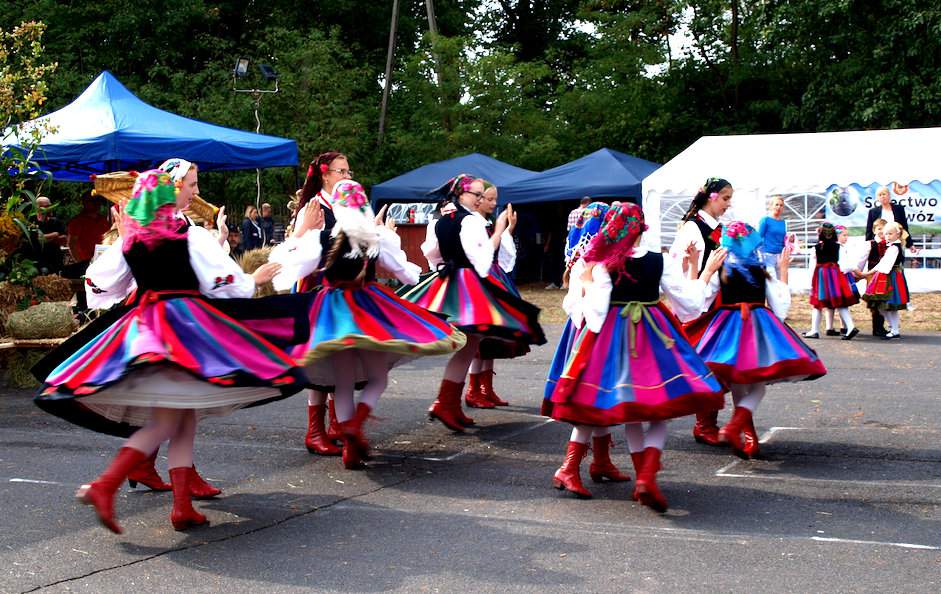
pixel 257 170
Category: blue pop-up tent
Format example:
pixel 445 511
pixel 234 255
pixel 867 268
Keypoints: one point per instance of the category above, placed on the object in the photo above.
pixel 415 185
pixel 107 128
pixel 602 174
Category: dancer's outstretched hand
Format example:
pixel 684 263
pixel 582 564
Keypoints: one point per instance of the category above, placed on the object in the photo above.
pixel 266 272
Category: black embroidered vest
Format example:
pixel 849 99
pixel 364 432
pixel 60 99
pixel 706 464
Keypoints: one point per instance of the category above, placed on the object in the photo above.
pixel 448 232
pixel 711 245
pixel 736 288
pixel 344 269
pixel 827 252
pixel 164 267
pixel 644 282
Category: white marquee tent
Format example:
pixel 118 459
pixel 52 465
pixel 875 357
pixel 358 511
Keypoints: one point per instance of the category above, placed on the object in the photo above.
pixel 799 168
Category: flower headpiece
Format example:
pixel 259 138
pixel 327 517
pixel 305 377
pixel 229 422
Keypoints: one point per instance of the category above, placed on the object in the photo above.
pixel 839 229
pixel 152 189
pixel 742 241
pixel 614 243
pixel 826 231
pixel 176 168
pixel 355 219
pixel 712 187
pixel 586 227
pixel 460 184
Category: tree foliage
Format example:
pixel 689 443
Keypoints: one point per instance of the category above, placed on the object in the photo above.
pixel 532 82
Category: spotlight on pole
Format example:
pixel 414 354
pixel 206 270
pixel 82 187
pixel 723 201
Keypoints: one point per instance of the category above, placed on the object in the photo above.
pixel 268 72
pixel 241 67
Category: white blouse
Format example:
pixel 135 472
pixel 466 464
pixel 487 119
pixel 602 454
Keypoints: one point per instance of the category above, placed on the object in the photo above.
pixel 110 280
pixel 887 262
pixel 300 256
pixel 474 239
pixel 590 302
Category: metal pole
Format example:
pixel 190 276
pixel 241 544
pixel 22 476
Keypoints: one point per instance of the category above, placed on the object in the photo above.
pixel 257 170
pixel 388 82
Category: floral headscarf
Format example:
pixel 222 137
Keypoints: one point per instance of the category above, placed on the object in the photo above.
pixel 586 227
pixel 355 219
pixel 614 243
pixel 742 241
pixel 454 187
pixel 176 168
pixel 152 189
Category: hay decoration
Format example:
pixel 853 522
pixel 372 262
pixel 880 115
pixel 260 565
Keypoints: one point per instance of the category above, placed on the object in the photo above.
pixel 251 261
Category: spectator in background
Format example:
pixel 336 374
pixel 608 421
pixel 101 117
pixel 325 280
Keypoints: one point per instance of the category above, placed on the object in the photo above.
pixel 773 230
pixel 888 212
pixel 252 236
pixel 48 254
pixel 267 225
pixel 576 213
pixel 85 231
pixel 234 241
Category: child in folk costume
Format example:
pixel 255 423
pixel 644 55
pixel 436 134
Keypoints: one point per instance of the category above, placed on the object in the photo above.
pixel 173 357
pixel 359 328
pixel 830 288
pixel 462 254
pixel 702 231
pixel 480 392
pixel 746 342
pixel 630 362
pixel 887 289
pixel 877 249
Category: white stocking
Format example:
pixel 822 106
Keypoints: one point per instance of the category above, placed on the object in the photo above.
pixel 656 435
pixel 846 318
pixel 316 397
pixel 377 375
pixel 581 433
pixel 894 319
pixel 456 370
pixel 486 364
pixel 344 382
pixel 828 317
pixel 476 365
pixel 748 395
pixel 600 431
pixel 634 432
pixel 180 451
pixel 814 320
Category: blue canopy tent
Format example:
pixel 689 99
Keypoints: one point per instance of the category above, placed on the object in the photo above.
pixel 602 174
pixel 415 185
pixel 107 128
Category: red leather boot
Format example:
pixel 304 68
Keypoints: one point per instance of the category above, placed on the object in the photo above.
pixel 646 490
pixel 601 466
pixel 100 493
pixel 706 429
pixel 316 439
pixel 486 389
pixel 732 432
pixel 355 446
pixel 199 488
pixel 567 476
pixel 637 459
pixel 751 445
pixel 146 474
pixel 334 433
pixel 474 396
pixel 183 515
pixel 447 406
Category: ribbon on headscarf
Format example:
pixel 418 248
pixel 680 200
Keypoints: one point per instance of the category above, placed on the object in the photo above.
pixel 635 310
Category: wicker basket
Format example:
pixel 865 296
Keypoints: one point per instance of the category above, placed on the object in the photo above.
pixel 117 187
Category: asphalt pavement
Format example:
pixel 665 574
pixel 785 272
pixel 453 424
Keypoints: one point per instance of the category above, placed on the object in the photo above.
pixel 845 498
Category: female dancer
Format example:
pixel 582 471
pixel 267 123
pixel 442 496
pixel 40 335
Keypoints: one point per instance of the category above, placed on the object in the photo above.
pixel 173 357
pixel 631 362
pixel 322 175
pixel 601 468
pixel 702 230
pixel 462 252
pixel 887 289
pixel 359 328
pixel 480 392
pixel 830 289
pixel 746 343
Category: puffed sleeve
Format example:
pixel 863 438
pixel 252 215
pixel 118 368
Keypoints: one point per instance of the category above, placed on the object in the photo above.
pixel 506 257
pixel 393 259
pixel 686 297
pixel 778 295
pixel 597 300
pixel 571 303
pixel 477 245
pixel 688 233
pixel 298 257
pixel 108 279
pixel 888 259
pixel 219 276
pixel 430 248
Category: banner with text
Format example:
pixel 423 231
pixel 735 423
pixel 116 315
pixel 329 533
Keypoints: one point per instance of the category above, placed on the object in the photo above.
pixel 850 205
